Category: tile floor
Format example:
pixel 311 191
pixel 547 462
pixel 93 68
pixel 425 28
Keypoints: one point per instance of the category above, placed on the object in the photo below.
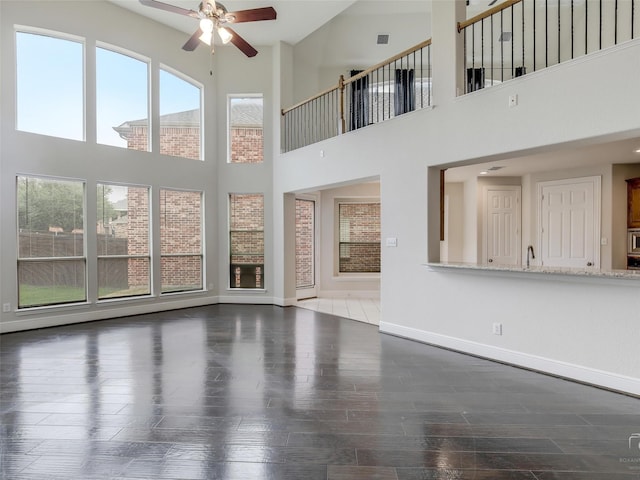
pixel 248 392
pixel 362 309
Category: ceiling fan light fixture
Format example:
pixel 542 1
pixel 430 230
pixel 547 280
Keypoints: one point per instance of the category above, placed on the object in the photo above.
pixel 225 35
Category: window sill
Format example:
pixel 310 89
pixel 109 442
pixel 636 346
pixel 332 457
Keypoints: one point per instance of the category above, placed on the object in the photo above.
pixel 247 290
pixel 353 277
pixel 46 308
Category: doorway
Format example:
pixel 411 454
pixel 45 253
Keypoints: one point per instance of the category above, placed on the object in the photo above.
pixel 502 214
pixel 569 222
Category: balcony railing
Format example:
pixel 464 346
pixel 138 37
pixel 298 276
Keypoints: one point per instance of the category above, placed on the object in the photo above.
pixel 396 86
pixel 522 36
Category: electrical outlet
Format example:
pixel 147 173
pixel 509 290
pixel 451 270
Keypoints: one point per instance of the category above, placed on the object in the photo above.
pixel 513 100
pixel 6 307
pixel 497 329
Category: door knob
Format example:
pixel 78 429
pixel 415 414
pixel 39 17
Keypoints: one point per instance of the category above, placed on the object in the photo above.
pixel 589 264
pixel 491 260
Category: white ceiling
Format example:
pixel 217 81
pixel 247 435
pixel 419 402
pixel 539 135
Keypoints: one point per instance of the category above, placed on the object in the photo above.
pixel 296 18
pixel 623 151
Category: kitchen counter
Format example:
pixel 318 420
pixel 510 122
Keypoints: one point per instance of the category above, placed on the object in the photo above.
pixel 540 270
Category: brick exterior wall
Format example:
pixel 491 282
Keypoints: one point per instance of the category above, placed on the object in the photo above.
pixel 246 145
pixel 359 237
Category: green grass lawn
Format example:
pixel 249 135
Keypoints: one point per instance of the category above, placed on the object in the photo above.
pixel 33 296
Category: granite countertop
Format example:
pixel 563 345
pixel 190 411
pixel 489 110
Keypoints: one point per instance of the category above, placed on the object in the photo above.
pixel 600 273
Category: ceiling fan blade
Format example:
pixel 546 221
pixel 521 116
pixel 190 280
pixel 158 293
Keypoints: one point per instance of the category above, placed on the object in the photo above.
pixel 242 44
pixel 253 15
pixel 193 42
pixel 170 8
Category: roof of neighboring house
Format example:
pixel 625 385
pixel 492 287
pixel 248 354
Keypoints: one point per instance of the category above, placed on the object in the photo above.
pixel 244 115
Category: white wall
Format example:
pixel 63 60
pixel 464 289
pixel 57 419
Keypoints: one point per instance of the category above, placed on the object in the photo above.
pixel 582 328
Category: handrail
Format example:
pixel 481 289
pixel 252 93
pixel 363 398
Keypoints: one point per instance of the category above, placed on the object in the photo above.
pixel 362 74
pixel 486 14
pixel 310 99
pixel 398 56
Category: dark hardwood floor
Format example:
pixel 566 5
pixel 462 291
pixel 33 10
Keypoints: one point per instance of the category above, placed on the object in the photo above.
pixel 262 392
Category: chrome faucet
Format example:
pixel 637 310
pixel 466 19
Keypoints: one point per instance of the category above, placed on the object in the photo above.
pixel 530 251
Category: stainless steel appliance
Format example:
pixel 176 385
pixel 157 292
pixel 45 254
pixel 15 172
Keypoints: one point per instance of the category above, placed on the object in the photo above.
pixel 634 241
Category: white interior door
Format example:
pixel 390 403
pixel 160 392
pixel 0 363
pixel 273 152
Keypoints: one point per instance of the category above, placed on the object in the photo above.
pixel 305 248
pixel 570 222
pixel 502 225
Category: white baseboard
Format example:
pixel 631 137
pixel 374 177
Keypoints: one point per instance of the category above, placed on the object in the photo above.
pixel 246 299
pixel 284 302
pixel 580 373
pixel 55 319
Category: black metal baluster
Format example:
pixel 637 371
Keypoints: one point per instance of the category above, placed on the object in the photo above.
pixel 546 33
pixel 615 25
pixel 522 20
pixel 600 27
pixel 492 37
pixel 572 31
pixel 586 27
pixel 512 44
pixel 482 50
pixel 534 35
pixel 429 72
pixel 473 56
pixel 501 46
pixel 559 27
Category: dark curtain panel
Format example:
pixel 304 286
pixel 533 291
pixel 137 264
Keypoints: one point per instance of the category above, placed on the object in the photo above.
pixel 405 92
pixel 359 102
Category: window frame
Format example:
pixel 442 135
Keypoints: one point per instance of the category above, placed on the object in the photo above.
pixel 135 56
pixel 200 87
pixel 230 252
pixel 148 256
pixel 30 30
pixel 56 259
pixel 201 255
pixel 235 96
pixel 352 201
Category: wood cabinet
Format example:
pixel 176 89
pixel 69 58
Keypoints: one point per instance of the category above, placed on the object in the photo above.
pixel 633 200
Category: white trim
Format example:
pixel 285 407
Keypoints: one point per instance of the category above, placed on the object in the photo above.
pixel 253 299
pixel 284 302
pixel 106 314
pixel 580 373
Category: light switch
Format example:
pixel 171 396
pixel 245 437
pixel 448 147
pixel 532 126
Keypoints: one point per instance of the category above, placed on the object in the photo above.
pixel 392 242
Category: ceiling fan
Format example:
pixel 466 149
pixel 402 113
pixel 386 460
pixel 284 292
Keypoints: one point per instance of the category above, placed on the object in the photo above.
pixel 214 16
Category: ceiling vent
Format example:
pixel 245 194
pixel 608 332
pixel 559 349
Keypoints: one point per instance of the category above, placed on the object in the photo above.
pixel 383 39
pixel 493 169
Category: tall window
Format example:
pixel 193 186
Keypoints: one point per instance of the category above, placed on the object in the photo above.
pixel 246 240
pixel 180 240
pixel 50 85
pixel 359 248
pixel 122 100
pixel 305 231
pixel 245 129
pixel 124 263
pixel 180 117
pixel 51 253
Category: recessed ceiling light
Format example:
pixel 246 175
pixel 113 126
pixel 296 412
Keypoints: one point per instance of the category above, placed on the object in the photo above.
pixel 484 173
pixel 637 151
